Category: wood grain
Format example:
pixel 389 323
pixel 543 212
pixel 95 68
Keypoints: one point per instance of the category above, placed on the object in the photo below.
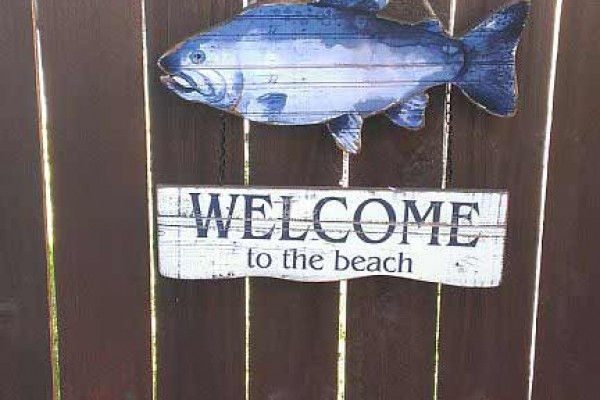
pixel 93 68
pixel 485 335
pixel 24 335
pixel 391 323
pixel 567 363
pixel 200 324
pixel 293 333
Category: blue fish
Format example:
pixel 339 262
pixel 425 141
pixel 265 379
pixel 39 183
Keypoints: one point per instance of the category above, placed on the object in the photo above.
pixel 336 62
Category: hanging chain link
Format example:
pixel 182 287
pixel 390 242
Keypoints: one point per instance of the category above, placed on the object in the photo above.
pixel 223 149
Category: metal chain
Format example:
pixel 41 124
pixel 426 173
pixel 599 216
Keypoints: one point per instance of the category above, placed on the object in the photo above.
pixel 223 149
pixel 448 139
pixel 449 154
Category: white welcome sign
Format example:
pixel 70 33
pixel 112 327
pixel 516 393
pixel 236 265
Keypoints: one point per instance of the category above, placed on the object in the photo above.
pixel 455 238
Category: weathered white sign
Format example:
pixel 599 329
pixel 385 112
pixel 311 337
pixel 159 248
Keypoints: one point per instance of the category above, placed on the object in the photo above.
pixel 455 238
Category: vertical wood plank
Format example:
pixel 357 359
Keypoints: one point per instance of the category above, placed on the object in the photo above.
pixel 293 334
pixel 485 334
pixel 567 363
pixel 24 335
pixel 200 324
pixel 391 323
pixel 93 67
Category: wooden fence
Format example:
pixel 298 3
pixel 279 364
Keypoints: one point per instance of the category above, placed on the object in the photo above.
pixel 93 81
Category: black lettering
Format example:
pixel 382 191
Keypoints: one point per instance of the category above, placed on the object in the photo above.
pixel 385 264
pixel 250 259
pixel 214 212
pixel 356 261
pixel 411 208
pixel 317 220
pixel 298 258
pixel 285 259
pixel 267 260
pixel 374 264
pixel 358 223
pixel 285 224
pixel 456 216
pixel 314 260
pixel 402 260
pixel 248 215
pixel 340 258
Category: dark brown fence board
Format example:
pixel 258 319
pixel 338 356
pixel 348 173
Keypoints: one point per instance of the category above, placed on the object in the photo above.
pixel 93 67
pixel 485 334
pixel 391 322
pixel 293 340
pixel 25 365
pixel 293 336
pixel 567 362
pixel 200 324
pixel 306 313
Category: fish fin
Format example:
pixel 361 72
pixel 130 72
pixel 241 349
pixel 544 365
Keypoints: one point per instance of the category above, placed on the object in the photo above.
pixel 272 103
pixel 346 130
pixel 488 77
pixel 370 6
pixel 411 113
pixel 432 25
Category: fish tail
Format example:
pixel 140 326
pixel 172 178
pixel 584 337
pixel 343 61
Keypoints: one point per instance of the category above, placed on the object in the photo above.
pixel 488 77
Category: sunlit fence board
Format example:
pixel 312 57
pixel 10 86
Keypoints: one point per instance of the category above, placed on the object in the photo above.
pixel 94 78
pixel 567 362
pixel 293 326
pixel 25 371
pixel 392 323
pixel 200 337
pixel 486 335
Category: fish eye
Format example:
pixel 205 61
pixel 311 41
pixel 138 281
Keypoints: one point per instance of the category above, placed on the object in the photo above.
pixel 197 57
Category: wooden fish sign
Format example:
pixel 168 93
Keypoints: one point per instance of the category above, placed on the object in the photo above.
pixel 455 238
pixel 335 62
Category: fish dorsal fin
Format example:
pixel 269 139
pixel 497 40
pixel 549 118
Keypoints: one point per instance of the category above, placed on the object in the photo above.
pixel 369 6
pixel 411 113
pixel 432 25
pixel 346 130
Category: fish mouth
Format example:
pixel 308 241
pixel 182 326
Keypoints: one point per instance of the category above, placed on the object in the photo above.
pixel 180 82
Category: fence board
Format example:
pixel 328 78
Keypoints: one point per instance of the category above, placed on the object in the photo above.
pixel 293 337
pixel 391 323
pixel 93 68
pixel 24 336
pixel 200 324
pixel 567 363
pixel 485 335
pixel 301 156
